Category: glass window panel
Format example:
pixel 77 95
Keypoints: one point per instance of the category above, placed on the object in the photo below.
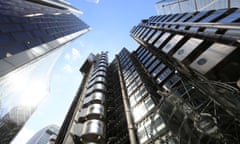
pixel 139 112
pixel 170 45
pixel 153 65
pixel 154 37
pixel 161 39
pixel 149 103
pixel 142 135
pixel 172 81
pixel 213 16
pixel 198 16
pixel 158 69
pixel 149 34
pixel 145 32
pixel 231 18
pixel 147 57
pixel 149 61
pixel 163 75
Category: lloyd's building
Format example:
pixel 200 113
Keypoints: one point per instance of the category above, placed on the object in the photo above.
pixel 33 33
pixel 180 86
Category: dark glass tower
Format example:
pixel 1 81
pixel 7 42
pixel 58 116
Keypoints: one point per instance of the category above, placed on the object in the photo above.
pixel 30 29
pixel 180 86
pixel 33 33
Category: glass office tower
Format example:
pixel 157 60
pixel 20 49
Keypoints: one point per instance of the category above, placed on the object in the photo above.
pixel 181 6
pixel 180 86
pixel 44 135
pixel 33 34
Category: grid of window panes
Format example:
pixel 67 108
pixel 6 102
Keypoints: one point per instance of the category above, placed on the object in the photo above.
pixel 149 123
pixel 163 75
pixel 27 24
pixel 176 43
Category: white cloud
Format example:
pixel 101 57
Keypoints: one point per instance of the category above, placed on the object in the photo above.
pixel 67 68
pixel 67 56
pixel 93 1
pixel 75 53
pixel 24 135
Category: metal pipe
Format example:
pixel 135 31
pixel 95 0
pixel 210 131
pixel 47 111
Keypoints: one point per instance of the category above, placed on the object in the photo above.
pixel 180 9
pixel 195 4
pixel 228 3
pixel 131 129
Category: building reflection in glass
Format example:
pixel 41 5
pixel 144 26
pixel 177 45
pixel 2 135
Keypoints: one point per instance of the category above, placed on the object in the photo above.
pixel 21 91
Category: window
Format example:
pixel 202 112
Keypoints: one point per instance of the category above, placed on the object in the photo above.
pixel 172 43
pixel 154 37
pixel 164 75
pixel 214 15
pixel 172 81
pixel 158 69
pixel 161 39
pixel 149 61
pixel 149 34
pixel 153 65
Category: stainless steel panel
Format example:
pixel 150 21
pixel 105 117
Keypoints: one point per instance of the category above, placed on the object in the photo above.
pixel 83 113
pixel 161 39
pixel 100 79
pixel 77 129
pixel 170 45
pixel 154 37
pixel 187 49
pixel 100 86
pixel 98 96
pixel 95 109
pixel 211 57
pixel 95 127
pixel 87 100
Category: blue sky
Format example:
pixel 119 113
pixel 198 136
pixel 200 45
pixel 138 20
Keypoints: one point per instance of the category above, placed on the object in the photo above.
pixel 111 22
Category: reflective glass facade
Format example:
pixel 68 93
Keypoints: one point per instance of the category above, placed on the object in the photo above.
pixel 175 6
pixel 30 30
pixel 192 68
pixel 33 34
pixel 43 136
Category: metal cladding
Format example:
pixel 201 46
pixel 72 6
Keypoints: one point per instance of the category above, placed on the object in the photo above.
pixel 91 127
pixel 181 85
pixel 193 61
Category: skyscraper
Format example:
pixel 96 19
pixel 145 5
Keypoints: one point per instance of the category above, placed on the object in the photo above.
pixel 30 29
pixel 180 86
pixel 33 33
pixel 43 136
pixel 177 6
